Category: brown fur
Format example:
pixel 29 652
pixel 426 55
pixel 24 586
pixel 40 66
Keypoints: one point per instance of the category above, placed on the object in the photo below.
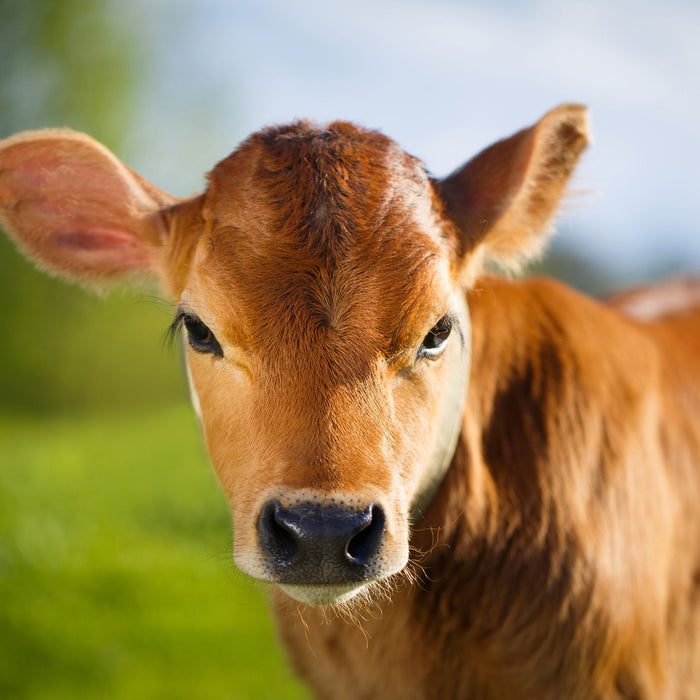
pixel 559 556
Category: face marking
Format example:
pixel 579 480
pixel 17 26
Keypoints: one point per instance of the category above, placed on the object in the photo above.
pixel 194 398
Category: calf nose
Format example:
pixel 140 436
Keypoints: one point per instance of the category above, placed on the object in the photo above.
pixel 312 543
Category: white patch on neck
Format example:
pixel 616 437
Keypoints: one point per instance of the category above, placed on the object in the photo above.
pixel 450 413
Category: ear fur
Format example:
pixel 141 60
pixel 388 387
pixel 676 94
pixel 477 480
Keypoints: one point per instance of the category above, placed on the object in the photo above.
pixel 502 202
pixel 76 210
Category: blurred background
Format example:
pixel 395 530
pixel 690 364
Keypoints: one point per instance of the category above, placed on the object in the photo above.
pixel 115 574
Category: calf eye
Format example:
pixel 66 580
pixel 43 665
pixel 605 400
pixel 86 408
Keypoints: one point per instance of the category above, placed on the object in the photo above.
pixel 200 338
pixel 435 342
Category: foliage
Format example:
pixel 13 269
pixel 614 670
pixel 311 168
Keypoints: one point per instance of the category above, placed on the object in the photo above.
pixel 73 62
pixel 115 574
pixel 68 63
pixel 65 350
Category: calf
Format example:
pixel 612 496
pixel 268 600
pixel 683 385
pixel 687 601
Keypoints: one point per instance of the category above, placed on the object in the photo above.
pixel 532 535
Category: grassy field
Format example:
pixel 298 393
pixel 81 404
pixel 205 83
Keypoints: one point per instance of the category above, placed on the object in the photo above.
pixel 115 573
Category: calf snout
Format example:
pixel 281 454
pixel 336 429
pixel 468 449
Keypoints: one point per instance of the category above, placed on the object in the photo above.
pixel 314 543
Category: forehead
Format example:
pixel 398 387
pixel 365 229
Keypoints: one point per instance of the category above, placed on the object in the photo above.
pixel 318 221
pixel 329 190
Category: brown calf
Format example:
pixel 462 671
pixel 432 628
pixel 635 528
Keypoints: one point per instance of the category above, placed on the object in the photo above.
pixel 535 535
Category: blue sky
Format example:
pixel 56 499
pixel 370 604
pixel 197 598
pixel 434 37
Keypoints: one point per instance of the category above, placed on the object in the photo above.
pixel 444 79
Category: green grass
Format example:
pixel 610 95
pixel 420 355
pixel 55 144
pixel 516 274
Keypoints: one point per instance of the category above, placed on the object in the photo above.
pixel 115 573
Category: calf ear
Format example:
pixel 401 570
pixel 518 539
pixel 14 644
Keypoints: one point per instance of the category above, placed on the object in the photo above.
pixel 76 210
pixel 502 202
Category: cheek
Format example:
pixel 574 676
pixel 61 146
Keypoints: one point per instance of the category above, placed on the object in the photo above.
pixel 221 397
pixel 417 405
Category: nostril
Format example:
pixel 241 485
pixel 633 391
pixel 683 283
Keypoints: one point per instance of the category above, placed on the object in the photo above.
pixel 366 543
pixel 277 537
pixel 312 542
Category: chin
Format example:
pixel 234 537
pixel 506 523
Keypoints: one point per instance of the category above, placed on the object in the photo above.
pixel 323 594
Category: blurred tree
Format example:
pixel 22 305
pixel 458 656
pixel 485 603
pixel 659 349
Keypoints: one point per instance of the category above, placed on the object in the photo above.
pixel 575 269
pixel 73 63
pixel 69 62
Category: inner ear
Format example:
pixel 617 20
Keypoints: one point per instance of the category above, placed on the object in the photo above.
pixel 76 210
pixel 502 202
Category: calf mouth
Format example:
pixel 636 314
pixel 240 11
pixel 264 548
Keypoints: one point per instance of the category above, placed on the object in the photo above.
pixel 323 594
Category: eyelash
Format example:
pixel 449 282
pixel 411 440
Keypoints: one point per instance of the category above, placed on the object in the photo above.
pixel 199 336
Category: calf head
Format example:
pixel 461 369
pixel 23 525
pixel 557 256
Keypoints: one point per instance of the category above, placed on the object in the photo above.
pixel 320 282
